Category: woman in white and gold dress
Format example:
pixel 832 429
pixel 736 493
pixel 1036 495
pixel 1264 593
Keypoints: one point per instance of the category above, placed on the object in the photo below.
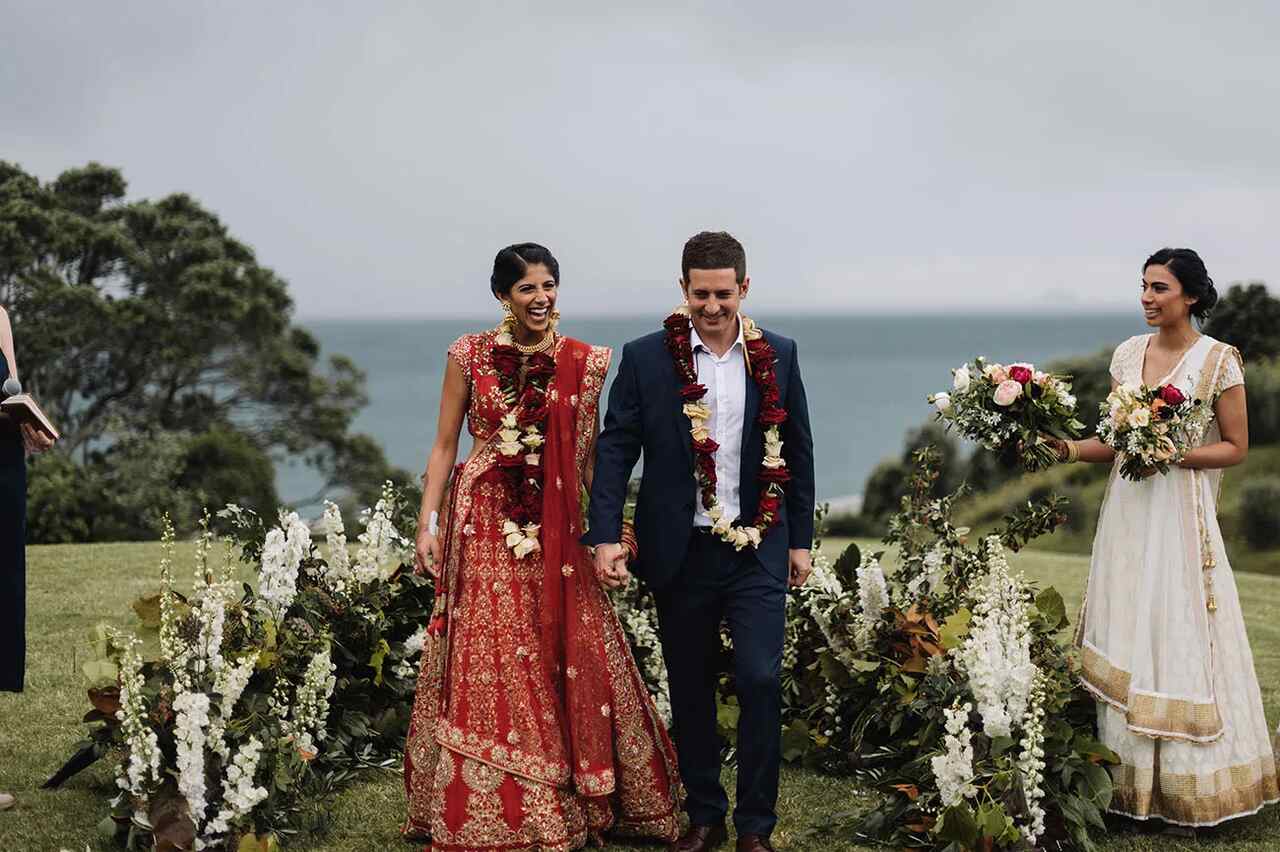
pixel 1162 636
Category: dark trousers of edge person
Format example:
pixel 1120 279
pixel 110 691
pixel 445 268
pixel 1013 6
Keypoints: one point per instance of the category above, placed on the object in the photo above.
pixel 13 574
pixel 718 584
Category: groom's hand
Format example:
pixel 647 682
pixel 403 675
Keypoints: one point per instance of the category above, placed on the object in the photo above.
pixel 611 565
pixel 801 566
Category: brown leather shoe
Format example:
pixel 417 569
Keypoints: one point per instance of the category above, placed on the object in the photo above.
pixel 754 843
pixel 700 838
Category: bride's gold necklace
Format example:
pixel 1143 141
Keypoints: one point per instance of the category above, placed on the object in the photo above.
pixel 548 340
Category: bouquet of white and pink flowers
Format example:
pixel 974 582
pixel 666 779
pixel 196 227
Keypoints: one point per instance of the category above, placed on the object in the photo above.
pixel 1009 409
pixel 1151 428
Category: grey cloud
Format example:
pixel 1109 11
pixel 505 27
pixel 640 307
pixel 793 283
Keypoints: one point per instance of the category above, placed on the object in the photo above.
pixel 869 155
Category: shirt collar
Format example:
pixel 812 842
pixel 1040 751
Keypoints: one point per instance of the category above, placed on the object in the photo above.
pixel 695 342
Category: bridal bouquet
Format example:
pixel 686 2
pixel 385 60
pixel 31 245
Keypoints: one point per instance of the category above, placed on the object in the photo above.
pixel 1151 428
pixel 1008 409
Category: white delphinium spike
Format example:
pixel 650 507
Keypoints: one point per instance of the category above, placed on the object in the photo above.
pixel 1031 762
pixel 996 655
pixel 953 769
pixel 139 737
pixel 310 710
pixel 239 794
pixel 873 598
pixel 191 718
pixel 380 541
pixel 283 550
pixel 337 572
pixel 229 684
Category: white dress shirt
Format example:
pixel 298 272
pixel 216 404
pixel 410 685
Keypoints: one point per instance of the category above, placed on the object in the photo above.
pixel 725 378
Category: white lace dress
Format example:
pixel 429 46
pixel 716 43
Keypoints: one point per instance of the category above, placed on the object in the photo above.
pixel 1162 636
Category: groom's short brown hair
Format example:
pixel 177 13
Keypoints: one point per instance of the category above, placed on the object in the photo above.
pixel 713 250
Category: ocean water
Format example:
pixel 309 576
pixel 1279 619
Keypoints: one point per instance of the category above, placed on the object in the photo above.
pixel 867 377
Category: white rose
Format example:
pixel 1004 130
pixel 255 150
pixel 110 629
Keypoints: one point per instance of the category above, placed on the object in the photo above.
pixel 753 535
pixel 962 379
pixel 700 433
pixel 1007 392
pixel 1139 417
pixel 942 402
pixel 509 421
pixel 514 539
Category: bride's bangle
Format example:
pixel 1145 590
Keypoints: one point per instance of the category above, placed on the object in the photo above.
pixel 1073 452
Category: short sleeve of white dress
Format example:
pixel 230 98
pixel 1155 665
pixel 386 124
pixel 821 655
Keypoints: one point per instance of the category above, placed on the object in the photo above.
pixel 1231 373
pixel 1123 359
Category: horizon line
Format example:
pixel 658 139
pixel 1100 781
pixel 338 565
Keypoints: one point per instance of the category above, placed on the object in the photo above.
pixel 788 313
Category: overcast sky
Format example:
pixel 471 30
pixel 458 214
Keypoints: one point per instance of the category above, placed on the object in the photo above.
pixel 872 157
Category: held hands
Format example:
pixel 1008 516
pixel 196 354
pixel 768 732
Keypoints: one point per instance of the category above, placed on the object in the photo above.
pixel 800 565
pixel 611 566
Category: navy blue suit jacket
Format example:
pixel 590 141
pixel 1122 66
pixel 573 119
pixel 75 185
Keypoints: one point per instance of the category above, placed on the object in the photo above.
pixel 645 416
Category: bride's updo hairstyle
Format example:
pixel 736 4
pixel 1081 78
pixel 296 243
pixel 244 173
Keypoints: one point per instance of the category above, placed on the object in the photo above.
pixel 514 261
pixel 1190 271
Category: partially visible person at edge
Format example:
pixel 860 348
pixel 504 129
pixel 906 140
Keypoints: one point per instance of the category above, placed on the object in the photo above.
pixel 16 440
pixel 531 728
pixel 724 522
pixel 1163 641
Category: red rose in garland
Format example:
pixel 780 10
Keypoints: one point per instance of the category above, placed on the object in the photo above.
pixel 520 439
pixel 773 470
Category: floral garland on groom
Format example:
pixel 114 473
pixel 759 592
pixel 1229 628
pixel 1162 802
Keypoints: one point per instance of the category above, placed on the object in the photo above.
pixel 773 472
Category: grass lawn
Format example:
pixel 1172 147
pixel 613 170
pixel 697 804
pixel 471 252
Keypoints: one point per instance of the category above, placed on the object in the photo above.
pixel 73 587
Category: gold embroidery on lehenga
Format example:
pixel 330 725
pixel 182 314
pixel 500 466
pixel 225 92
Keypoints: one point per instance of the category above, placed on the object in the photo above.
pixel 486 764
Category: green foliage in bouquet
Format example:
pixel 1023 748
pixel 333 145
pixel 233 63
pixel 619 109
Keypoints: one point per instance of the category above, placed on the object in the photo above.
pixel 261 694
pixel 1007 409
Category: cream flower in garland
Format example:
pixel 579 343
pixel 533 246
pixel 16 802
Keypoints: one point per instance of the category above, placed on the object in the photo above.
pixel 760 359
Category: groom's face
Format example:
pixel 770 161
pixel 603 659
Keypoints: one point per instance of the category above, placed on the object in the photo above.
pixel 714 297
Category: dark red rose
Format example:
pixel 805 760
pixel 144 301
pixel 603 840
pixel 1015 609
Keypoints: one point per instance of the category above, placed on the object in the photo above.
pixel 707 446
pixel 693 392
pixel 1020 374
pixel 774 474
pixel 506 359
pixel 772 416
pixel 769 505
pixel 1171 395
pixel 676 324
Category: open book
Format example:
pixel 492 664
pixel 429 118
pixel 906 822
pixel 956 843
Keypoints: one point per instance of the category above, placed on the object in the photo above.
pixel 23 409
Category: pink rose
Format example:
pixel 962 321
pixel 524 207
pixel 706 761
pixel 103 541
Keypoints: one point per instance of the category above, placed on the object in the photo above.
pixel 1020 374
pixel 1006 392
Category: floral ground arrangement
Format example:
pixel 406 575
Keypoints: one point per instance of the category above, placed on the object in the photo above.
pixel 258 699
pixel 946 686
pixel 74 587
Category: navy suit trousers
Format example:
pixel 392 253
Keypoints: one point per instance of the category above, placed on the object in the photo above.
pixel 717 584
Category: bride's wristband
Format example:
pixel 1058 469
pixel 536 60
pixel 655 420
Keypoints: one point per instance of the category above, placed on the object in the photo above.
pixel 1073 452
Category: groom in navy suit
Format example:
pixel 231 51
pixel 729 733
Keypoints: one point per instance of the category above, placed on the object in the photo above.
pixel 699 578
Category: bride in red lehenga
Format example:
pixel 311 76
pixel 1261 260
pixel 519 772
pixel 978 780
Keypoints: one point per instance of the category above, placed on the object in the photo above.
pixel 532 728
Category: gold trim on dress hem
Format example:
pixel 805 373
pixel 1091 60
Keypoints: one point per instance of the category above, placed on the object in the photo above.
pixel 1151 716
pixel 1242 791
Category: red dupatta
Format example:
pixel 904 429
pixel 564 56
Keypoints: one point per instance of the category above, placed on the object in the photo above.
pixel 572 621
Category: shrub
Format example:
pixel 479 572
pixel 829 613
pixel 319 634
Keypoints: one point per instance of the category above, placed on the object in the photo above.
pixel 1260 512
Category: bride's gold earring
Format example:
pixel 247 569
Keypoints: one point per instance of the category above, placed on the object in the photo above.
pixel 508 317
pixel 555 321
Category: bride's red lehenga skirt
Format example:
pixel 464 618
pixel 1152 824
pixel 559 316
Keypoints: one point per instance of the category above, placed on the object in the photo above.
pixel 488 759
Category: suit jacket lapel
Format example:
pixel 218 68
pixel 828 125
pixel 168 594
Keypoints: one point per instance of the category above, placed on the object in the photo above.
pixel 749 414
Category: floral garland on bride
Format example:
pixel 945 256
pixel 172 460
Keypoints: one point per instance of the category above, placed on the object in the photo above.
pixel 520 439
pixel 773 468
